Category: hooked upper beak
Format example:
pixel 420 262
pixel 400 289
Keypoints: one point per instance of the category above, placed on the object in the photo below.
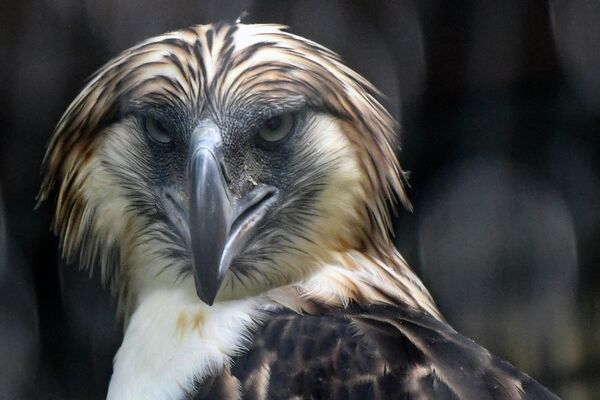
pixel 220 224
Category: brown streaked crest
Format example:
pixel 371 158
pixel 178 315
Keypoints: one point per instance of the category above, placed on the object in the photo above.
pixel 220 66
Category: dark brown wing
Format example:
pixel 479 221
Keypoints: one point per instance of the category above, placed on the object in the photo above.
pixel 380 353
pixel 462 367
pixel 317 357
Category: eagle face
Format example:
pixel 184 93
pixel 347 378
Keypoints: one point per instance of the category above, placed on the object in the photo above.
pixel 239 202
pixel 233 158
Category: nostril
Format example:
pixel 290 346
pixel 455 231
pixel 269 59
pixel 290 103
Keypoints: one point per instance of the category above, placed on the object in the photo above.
pixel 253 206
pixel 224 172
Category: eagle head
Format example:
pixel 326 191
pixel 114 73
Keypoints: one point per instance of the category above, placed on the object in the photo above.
pixel 228 159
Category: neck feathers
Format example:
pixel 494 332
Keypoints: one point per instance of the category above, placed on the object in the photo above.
pixel 173 341
pixel 377 276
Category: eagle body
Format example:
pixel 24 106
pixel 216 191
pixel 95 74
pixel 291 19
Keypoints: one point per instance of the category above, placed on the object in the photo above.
pixel 233 185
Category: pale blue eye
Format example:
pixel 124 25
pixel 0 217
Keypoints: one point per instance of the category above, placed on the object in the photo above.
pixel 276 128
pixel 156 131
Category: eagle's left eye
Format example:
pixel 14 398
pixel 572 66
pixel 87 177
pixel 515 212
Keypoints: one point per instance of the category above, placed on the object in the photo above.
pixel 276 128
pixel 157 131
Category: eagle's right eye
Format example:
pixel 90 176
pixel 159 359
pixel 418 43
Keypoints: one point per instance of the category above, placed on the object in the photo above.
pixel 157 131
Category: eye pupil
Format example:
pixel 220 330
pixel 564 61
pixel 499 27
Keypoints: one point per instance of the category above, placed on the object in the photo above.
pixel 157 131
pixel 159 126
pixel 275 129
pixel 273 123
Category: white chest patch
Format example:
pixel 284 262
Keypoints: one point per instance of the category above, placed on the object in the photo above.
pixel 174 340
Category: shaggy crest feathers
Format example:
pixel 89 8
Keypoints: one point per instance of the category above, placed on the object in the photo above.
pixel 218 66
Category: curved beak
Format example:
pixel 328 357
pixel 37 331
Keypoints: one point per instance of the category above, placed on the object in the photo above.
pixel 221 224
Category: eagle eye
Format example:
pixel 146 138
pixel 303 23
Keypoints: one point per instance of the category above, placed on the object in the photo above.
pixel 276 128
pixel 156 131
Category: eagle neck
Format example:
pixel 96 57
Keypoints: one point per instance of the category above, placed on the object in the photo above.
pixel 377 276
pixel 173 341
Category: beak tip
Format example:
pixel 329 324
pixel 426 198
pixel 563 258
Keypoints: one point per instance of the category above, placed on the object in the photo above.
pixel 208 300
pixel 208 303
pixel 207 287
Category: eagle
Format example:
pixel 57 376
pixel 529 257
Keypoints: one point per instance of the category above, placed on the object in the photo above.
pixel 233 184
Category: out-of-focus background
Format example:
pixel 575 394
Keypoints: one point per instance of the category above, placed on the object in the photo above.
pixel 499 102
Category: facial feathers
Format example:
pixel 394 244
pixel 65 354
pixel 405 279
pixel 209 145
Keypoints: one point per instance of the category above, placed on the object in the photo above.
pixel 214 67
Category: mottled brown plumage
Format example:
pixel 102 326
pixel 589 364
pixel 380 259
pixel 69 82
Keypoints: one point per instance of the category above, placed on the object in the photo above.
pixel 360 355
pixel 320 304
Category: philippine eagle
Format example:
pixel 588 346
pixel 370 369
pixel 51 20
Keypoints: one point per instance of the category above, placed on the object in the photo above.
pixel 233 183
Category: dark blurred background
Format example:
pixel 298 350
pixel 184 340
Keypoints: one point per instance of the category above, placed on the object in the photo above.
pixel 499 102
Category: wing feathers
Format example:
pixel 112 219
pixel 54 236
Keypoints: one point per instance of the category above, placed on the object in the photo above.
pixel 467 369
pixel 378 352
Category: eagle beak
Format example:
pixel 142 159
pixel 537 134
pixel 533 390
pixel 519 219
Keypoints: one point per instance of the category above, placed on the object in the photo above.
pixel 221 224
